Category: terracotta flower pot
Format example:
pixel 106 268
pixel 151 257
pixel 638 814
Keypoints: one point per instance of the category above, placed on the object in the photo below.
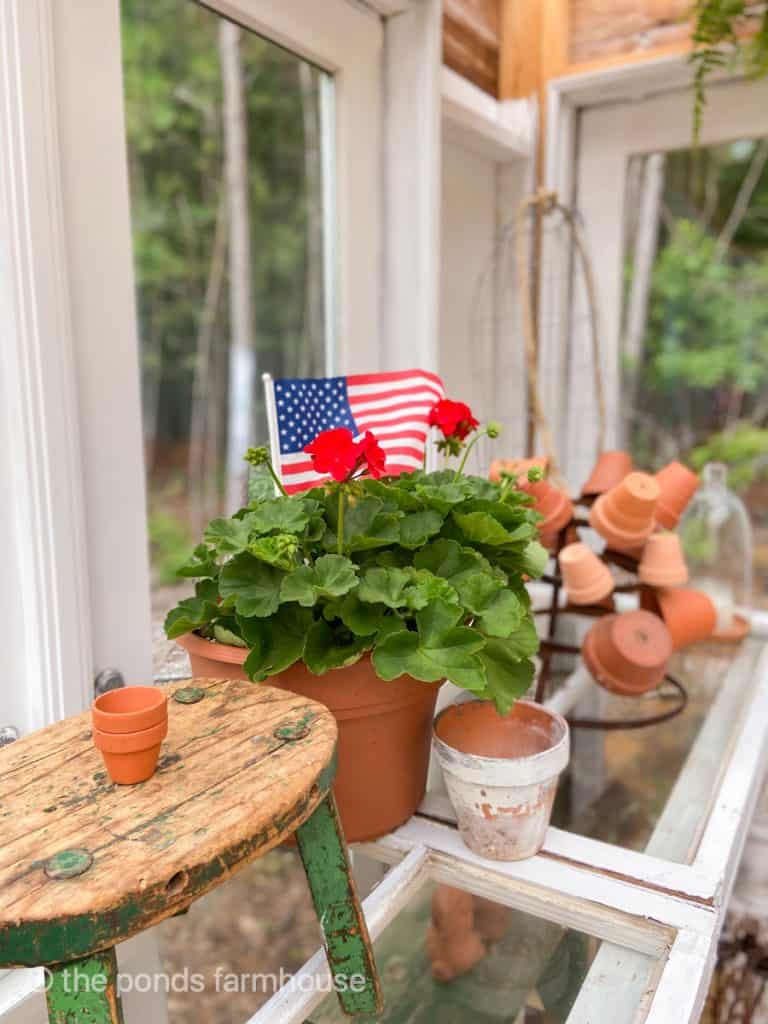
pixel 129 709
pixel 516 467
pixel 587 579
pixel 130 757
pixel 690 615
pixel 628 653
pixel 553 504
pixel 624 516
pixel 677 485
pixel 609 470
pixel 383 732
pixel 455 954
pixel 501 773
pixel 662 563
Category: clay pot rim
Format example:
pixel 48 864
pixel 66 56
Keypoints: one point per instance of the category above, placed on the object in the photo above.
pixel 229 654
pixel 491 772
pixel 660 578
pixel 129 743
pixel 626 539
pixel 154 711
pixel 737 631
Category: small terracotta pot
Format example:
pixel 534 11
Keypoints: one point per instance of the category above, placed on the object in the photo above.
pixel 662 563
pixel 587 580
pixel 516 467
pixel 455 954
pixel 384 731
pixel 130 757
pixel 628 653
pixel 609 470
pixel 553 504
pixel 677 485
pixel 624 516
pixel 129 709
pixel 501 773
pixel 491 919
pixel 690 615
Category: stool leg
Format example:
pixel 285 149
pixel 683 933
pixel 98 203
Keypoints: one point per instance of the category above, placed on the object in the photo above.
pixel 347 944
pixel 84 991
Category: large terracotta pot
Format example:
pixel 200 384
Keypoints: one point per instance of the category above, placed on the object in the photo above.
pixel 384 732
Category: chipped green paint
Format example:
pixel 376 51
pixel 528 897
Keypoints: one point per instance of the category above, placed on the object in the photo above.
pixel 189 695
pixel 60 939
pixel 68 863
pixel 347 945
pixel 84 991
pixel 296 730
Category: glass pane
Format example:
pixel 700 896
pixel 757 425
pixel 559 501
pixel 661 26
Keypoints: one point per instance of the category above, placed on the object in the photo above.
pixel 695 321
pixel 453 957
pixel 651 789
pixel 226 135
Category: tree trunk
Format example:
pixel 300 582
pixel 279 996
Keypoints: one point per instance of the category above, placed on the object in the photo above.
pixel 242 360
pixel 644 255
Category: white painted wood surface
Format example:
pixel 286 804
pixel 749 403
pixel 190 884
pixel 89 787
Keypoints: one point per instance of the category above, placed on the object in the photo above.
pixel 498 130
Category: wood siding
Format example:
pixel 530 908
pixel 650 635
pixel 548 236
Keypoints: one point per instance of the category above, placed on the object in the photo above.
pixel 471 41
pixel 611 28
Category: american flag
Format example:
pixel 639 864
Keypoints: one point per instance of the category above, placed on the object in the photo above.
pixel 393 406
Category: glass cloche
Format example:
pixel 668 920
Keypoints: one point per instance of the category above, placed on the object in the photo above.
pixel 717 539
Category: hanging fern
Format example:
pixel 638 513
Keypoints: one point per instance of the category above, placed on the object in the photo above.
pixel 718 26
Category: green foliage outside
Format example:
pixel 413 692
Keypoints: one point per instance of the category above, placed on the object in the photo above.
pixel 702 383
pixel 425 571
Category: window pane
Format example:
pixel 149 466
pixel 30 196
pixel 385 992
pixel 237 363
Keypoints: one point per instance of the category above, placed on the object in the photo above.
pixel 229 201
pixel 695 324
pixel 456 958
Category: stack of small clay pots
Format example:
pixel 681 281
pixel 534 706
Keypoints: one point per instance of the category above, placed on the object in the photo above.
pixel 129 726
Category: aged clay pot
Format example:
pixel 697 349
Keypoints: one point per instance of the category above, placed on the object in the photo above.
pixel 516 467
pixel 455 954
pixel 624 516
pixel 130 757
pixel 677 485
pixel 501 773
pixel 609 470
pixel 628 653
pixel 587 579
pixel 553 504
pixel 384 732
pixel 129 709
pixel 662 563
pixel 690 615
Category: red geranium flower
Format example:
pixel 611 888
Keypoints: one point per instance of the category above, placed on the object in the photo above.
pixel 334 452
pixel 455 419
pixel 370 449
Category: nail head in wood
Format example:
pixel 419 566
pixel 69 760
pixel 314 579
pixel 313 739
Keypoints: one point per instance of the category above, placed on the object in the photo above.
pixel 189 695
pixel 68 864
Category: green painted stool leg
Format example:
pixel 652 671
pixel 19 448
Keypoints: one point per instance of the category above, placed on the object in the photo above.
pixel 84 991
pixel 347 944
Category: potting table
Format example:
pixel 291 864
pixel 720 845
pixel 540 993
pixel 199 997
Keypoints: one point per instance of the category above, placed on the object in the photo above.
pixel 86 864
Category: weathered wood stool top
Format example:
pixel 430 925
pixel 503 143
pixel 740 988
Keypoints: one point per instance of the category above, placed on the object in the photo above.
pixel 85 864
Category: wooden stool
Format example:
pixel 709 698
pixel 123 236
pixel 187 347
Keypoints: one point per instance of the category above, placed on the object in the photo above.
pixel 85 864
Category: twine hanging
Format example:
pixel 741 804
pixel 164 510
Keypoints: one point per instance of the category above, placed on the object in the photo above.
pixel 545 203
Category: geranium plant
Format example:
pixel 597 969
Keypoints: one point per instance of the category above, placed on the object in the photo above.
pixel 423 571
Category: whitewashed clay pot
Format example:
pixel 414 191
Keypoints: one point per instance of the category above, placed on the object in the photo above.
pixel 501 773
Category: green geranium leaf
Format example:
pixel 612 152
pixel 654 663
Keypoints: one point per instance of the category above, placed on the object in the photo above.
pixel 508 677
pixel 227 636
pixel 483 528
pixel 459 565
pixel 279 515
pixel 502 615
pixel 326 648
pixel 227 536
pixel 425 587
pixel 417 527
pixel 254 585
pixel 261 486
pixel 384 586
pixel 391 497
pixel 280 550
pixel 523 641
pixel 443 496
pixel 440 650
pixel 202 563
pixel 189 615
pixel 275 643
pixel 330 576
pixel 363 619
pixel 535 558
pixel 479 590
